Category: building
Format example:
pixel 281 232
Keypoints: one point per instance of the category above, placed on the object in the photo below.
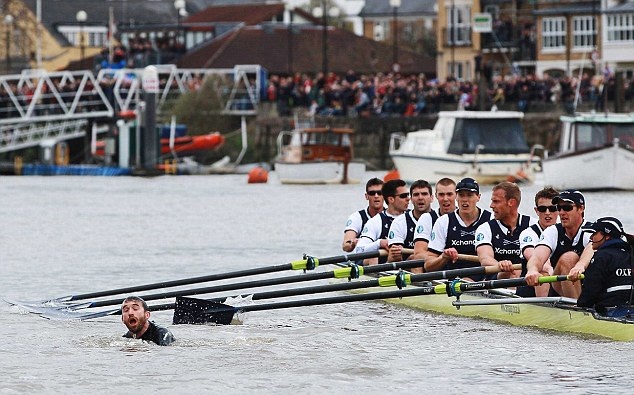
pixel 404 24
pixel 540 37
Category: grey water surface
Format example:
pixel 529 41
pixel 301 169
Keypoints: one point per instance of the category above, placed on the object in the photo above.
pixel 69 235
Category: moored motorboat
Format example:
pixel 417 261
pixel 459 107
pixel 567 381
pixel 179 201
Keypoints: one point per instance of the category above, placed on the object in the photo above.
pixel 318 155
pixel 181 145
pixel 487 146
pixel 596 151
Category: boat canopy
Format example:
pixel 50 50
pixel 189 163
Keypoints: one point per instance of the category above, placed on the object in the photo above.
pixel 494 136
pixel 595 135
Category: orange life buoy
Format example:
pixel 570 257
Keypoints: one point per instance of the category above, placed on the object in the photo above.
pixel 258 175
pixel 392 175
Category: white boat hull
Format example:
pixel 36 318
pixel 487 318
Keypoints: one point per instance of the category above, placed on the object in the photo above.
pixel 319 172
pixel 486 171
pixel 604 168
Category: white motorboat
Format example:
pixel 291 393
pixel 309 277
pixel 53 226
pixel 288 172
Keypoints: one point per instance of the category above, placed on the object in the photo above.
pixel 596 151
pixel 487 146
pixel 317 156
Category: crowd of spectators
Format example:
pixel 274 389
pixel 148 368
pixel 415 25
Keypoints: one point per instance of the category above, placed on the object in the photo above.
pixel 394 94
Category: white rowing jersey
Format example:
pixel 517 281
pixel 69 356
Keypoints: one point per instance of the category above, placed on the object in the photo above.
pixel 356 221
pixel 530 236
pixel 402 230
pixel 424 226
pixel 375 229
pixel 506 245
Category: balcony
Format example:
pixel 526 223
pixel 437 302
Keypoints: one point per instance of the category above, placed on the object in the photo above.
pixel 513 39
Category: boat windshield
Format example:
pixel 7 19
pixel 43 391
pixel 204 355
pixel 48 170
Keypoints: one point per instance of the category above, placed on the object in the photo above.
pixel 498 136
pixel 594 135
pixel 321 138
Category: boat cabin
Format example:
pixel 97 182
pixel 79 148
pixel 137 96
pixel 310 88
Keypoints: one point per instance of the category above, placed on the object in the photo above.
pixel 316 144
pixel 482 132
pixel 585 132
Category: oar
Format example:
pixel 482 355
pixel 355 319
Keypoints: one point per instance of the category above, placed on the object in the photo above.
pixel 198 311
pixel 338 273
pixel 70 311
pixel 400 280
pixel 308 263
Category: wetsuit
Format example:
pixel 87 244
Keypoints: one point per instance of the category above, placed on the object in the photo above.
pixel 154 333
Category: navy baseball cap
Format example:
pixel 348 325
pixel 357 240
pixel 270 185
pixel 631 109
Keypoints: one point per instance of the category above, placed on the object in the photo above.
pixel 468 184
pixel 570 195
pixel 608 225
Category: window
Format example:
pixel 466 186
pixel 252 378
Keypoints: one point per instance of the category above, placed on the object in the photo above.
pixel 458 70
pixel 620 27
pixel 379 31
pixel 554 33
pixel 95 36
pixel 584 31
pixel 458 25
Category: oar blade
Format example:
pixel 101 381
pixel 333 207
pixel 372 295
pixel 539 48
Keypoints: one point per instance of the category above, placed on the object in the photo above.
pixel 199 311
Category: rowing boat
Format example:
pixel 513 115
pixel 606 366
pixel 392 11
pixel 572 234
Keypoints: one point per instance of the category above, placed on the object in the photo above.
pixel 556 314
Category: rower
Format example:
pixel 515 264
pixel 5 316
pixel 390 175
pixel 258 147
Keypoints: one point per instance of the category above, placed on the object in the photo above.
pixel 564 243
pixel 454 233
pixel 135 315
pixel 446 197
pixel 608 278
pixel 401 233
pixel 497 241
pixel 547 215
pixel 374 234
pixel 357 220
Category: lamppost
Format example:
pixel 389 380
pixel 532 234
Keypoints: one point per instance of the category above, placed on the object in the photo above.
pixel 289 9
pixel 8 25
pixel 395 4
pixel 81 18
pixel 320 12
pixel 180 12
pixel 453 37
pixel 323 12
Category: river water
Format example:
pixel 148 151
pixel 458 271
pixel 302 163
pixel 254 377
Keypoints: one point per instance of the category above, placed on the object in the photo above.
pixel 64 235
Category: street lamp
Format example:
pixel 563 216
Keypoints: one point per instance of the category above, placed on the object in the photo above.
pixel 180 12
pixel 8 25
pixel 320 12
pixel 323 12
pixel 81 18
pixel 453 37
pixel 289 9
pixel 395 4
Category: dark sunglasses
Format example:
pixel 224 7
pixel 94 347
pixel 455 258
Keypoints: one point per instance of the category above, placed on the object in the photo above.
pixel 565 207
pixel 374 193
pixel 403 195
pixel 542 209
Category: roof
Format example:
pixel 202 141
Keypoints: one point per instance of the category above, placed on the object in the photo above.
pixel 257 13
pixel 268 46
pixel 62 12
pixel 567 9
pixel 375 8
pixel 624 8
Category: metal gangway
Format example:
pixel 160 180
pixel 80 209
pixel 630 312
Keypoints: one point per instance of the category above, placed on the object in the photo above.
pixel 37 105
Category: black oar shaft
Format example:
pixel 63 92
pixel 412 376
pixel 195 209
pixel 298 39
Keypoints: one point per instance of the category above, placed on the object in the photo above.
pixel 223 276
pixel 261 283
pixel 367 283
pixel 414 291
